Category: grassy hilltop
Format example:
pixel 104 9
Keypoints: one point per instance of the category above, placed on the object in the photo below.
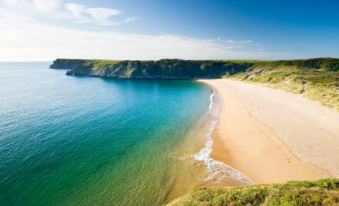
pixel 317 79
pixel 322 192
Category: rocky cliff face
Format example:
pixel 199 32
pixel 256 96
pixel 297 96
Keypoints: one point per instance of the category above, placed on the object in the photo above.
pixel 162 69
pixel 67 63
pixel 187 69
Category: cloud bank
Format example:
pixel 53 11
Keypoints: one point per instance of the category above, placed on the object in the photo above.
pixel 26 36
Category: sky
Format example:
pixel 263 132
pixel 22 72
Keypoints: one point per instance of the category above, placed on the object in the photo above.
pixel 43 30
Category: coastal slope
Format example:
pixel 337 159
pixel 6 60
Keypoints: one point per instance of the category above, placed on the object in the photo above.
pixel 274 136
pixel 321 192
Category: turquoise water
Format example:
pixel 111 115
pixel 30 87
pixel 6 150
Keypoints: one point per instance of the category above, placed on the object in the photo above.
pixel 89 141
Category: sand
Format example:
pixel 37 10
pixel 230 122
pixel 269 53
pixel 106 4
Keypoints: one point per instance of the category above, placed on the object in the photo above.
pixel 273 136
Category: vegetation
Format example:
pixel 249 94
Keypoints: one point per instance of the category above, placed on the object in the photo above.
pixel 322 192
pixel 317 79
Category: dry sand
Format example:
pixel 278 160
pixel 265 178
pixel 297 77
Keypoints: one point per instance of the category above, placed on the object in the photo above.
pixel 274 136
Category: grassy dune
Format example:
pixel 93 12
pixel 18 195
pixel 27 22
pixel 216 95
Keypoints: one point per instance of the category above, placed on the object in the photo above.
pixel 322 192
pixel 319 82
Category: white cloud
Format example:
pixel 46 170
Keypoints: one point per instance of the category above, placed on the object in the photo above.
pixel 43 42
pixel 25 36
pixel 28 10
pixel 103 16
pixel 47 5
pixel 130 19
pixel 76 9
pixel 57 9
pixel 237 42
pixel 13 3
pixel 102 13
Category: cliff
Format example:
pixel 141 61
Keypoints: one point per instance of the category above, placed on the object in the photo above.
pixel 183 69
pixel 162 69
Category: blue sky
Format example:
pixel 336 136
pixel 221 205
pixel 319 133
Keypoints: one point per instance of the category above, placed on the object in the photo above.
pixel 153 29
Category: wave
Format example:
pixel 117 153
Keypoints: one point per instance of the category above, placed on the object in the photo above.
pixel 217 170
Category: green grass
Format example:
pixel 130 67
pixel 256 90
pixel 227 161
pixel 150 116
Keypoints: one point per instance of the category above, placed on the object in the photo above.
pixel 100 64
pixel 304 193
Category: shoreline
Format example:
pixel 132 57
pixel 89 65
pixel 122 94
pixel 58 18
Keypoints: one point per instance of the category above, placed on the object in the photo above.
pixel 218 171
pixel 253 148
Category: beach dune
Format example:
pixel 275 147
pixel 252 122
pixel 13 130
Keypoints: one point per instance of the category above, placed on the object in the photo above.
pixel 274 136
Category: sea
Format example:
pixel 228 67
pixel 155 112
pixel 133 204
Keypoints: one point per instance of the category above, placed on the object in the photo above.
pixel 68 140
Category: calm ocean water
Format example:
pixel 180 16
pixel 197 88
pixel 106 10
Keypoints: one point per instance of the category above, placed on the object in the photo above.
pixel 89 141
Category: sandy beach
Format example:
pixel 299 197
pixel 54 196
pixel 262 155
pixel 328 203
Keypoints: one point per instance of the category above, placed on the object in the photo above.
pixel 274 136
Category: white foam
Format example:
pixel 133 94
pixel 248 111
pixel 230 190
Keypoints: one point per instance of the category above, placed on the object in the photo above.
pixel 210 106
pixel 217 171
